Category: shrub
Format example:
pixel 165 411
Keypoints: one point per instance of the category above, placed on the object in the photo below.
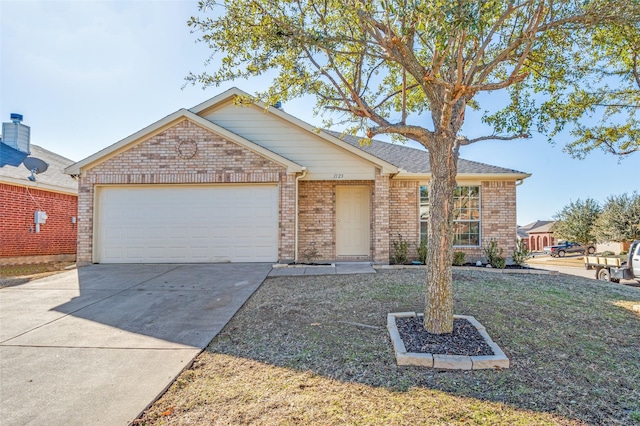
pixel 400 251
pixel 521 253
pixel 422 250
pixel 458 258
pixel 499 262
pixel 624 253
pixel 607 253
pixel 494 255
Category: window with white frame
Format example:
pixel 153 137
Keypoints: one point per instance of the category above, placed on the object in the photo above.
pixel 466 215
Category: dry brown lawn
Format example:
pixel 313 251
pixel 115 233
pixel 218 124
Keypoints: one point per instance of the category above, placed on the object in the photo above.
pixel 315 350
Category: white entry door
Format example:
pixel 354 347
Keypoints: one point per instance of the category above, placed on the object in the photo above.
pixel 352 221
pixel 186 224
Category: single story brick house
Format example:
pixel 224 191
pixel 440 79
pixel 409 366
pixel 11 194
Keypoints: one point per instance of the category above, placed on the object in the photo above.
pixel 539 234
pixel 52 193
pixel 220 182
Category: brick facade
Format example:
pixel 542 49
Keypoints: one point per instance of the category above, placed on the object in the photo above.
pixel 404 218
pixel 394 204
pixel 158 161
pixel 538 240
pixel 317 218
pixel 381 219
pixel 498 210
pixel 17 229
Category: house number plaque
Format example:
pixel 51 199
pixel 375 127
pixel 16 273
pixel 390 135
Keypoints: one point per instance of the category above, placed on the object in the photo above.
pixel 338 176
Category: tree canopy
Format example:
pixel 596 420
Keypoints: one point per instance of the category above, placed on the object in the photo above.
pixel 600 103
pixel 413 69
pixel 619 220
pixel 575 221
pixel 385 63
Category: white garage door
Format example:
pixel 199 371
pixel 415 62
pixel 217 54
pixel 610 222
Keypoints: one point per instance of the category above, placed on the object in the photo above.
pixel 187 224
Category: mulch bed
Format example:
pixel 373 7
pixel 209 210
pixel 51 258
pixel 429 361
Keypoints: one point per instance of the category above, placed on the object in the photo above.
pixel 465 339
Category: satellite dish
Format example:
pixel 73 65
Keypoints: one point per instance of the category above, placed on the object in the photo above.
pixel 35 166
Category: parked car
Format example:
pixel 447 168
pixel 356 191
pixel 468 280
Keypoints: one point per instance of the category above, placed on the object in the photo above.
pixel 560 250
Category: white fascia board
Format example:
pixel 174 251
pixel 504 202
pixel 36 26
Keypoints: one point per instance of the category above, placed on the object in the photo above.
pixel 38 185
pixel 161 125
pixel 465 176
pixel 218 99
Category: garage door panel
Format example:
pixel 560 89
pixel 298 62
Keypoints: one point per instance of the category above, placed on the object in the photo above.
pixel 187 224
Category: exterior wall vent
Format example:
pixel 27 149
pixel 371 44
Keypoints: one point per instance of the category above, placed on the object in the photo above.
pixel 17 135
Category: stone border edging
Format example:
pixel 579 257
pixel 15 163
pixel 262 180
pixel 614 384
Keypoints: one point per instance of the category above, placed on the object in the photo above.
pixel 450 362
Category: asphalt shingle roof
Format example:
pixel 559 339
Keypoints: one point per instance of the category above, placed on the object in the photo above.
pixel 11 167
pixel 415 160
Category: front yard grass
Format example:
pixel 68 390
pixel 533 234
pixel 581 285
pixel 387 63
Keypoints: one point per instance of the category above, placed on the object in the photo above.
pixel 315 350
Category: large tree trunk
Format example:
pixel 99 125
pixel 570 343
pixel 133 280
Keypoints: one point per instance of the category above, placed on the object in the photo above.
pixel 438 315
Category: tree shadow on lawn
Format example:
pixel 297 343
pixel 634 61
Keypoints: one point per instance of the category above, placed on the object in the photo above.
pixel 574 343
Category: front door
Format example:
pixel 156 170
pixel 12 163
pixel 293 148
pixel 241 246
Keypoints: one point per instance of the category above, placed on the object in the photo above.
pixel 352 221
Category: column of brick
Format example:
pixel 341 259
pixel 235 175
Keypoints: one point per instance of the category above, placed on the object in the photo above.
pixel 404 215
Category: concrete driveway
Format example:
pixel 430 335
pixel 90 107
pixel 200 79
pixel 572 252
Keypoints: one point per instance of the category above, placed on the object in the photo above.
pixel 98 344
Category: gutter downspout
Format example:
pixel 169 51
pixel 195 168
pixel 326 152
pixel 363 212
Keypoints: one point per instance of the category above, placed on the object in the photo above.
pixel 295 255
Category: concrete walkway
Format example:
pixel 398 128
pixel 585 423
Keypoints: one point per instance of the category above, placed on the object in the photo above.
pixel 332 269
pixel 95 346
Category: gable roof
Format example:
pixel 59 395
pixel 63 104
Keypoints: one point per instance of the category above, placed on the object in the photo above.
pixel 14 173
pixel 163 124
pixel 537 226
pixel 543 226
pixel 402 161
pixel 201 109
pixel 416 161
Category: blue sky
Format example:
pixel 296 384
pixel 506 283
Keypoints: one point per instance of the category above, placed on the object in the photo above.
pixel 86 74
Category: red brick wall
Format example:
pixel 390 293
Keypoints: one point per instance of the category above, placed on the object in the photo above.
pixel 17 230
pixel 538 241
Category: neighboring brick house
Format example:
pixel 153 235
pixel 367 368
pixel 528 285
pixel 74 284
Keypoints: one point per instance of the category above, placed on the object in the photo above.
pixel 538 234
pixel 52 192
pixel 220 182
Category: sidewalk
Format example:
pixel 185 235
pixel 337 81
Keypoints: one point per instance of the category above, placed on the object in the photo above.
pixel 338 268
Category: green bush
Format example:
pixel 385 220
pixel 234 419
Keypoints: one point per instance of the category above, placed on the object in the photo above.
pixel 422 250
pixel 521 253
pixel 494 255
pixel 499 262
pixel 607 253
pixel 458 258
pixel 400 251
pixel 624 253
